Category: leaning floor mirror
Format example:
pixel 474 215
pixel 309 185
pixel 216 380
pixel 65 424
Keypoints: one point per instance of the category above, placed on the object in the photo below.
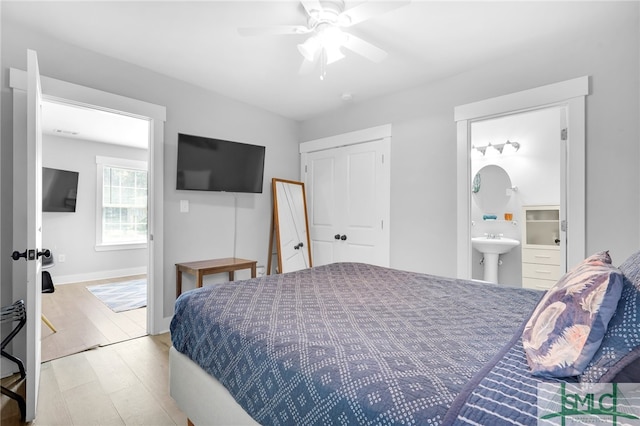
pixel 290 226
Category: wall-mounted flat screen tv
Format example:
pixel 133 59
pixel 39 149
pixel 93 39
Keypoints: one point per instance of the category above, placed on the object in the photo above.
pixel 59 190
pixel 206 164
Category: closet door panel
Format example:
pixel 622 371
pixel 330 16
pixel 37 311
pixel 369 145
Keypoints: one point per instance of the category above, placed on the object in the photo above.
pixel 322 252
pixel 322 199
pixel 361 218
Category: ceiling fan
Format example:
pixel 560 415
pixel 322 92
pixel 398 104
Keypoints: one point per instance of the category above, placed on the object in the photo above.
pixel 326 21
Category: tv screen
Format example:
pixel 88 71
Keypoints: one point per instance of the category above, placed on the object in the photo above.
pixel 206 164
pixel 59 190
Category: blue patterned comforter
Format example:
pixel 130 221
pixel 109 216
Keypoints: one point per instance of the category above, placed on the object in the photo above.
pixel 347 343
pixel 503 392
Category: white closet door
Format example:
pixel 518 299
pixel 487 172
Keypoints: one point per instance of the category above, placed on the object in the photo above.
pixel 348 197
pixel 322 200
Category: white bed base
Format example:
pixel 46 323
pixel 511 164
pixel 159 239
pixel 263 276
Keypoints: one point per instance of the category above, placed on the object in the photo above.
pixel 200 396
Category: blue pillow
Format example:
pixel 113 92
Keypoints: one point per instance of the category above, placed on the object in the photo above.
pixel 568 325
pixel 618 358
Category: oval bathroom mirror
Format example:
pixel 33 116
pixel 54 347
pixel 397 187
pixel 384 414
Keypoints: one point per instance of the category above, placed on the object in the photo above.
pixel 491 189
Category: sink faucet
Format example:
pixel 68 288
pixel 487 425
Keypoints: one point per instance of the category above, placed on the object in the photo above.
pixel 493 236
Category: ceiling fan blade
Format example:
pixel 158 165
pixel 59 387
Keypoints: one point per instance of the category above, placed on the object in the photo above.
pixel 364 48
pixel 310 5
pixel 274 30
pixel 369 9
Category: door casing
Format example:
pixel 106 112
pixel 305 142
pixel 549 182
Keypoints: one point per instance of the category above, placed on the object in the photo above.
pixel 569 94
pixel 64 92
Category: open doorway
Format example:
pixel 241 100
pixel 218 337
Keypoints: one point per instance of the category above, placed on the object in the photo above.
pixel 98 242
pixel 568 94
pixel 27 187
pixel 526 147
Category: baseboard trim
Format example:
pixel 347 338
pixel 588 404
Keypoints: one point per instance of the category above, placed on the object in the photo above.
pixel 99 275
pixel 162 327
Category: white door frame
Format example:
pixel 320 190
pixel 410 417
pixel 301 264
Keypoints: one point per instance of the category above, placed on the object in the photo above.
pixel 571 94
pixel 73 94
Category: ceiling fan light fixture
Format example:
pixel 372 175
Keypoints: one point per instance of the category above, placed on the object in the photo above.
pixel 309 49
pixel 333 54
pixel 344 20
pixel 329 39
pixel 332 37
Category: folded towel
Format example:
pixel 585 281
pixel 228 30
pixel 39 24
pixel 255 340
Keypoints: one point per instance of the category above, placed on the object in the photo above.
pixel 489 217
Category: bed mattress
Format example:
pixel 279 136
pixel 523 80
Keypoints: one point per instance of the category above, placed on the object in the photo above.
pixel 348 342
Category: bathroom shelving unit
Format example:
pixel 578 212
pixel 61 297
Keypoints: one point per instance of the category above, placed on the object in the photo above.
pixel 540 246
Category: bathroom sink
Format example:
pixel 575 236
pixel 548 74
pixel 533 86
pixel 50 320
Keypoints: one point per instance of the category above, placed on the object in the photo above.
pixel 497 245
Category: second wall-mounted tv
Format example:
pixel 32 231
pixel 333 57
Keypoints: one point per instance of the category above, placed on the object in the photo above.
pixel 59 190
pixel 206 164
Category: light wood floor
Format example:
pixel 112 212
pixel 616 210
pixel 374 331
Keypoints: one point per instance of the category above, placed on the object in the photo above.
pixel 82 321
pixel 120 384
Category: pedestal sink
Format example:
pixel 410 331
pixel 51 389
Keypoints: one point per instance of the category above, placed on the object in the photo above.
pixel 492 248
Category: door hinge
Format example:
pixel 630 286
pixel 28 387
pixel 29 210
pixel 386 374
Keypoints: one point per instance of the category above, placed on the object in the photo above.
pixel 382 158
pixel 305 168
pixel 382 224
pixel 563 134
pixel 563 226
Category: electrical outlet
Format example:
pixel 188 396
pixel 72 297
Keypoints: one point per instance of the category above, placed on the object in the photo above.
pixel 259 271
pixel 62 258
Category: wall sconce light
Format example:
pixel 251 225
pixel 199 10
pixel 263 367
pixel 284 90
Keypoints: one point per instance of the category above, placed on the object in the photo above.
pixel 498 147
pixel 482 149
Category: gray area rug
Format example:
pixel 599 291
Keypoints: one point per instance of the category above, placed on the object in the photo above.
pixel 122 296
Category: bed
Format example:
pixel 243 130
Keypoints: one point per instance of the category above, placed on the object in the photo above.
pixel 354 343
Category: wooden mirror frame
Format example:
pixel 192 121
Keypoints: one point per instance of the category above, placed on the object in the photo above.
pixel 296 253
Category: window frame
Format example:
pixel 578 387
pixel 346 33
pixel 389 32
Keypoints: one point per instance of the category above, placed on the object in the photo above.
pixel 121 163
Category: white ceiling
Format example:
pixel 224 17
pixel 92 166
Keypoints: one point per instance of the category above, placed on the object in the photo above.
pixel 100 126
pixel 198 42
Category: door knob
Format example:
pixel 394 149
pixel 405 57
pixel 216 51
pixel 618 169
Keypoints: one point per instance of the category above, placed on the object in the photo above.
pixel 343 238
pixel 337 236
pixel 17 255
pixel 45 253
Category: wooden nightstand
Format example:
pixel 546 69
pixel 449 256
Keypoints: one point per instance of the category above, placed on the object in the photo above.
pixel 213 266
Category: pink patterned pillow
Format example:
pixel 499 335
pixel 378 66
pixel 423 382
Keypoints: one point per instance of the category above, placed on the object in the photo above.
pixel 569 323
pixel 601 256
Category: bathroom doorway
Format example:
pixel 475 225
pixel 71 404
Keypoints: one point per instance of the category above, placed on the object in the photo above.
pixel 570 95
pixel 528 147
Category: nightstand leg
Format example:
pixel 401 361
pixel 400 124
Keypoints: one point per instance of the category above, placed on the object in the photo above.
pixel 178 281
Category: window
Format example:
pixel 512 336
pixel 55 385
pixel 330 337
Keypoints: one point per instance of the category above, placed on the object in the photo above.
pixel 121 214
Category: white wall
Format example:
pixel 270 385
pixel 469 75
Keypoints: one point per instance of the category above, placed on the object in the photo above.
pixel 534 169
pixel 207 230
pixel 423 147
pixel 423 163
pixel 74 234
